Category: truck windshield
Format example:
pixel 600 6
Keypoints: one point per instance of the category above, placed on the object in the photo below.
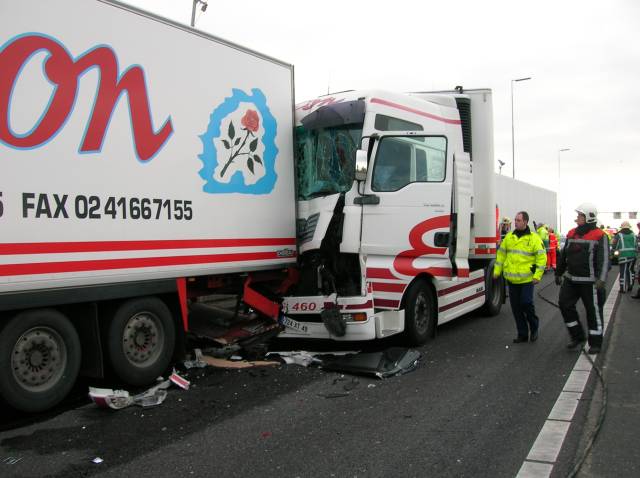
pixel 325 159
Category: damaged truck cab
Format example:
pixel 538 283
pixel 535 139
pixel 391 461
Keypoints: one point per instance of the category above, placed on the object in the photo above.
pixel 396 214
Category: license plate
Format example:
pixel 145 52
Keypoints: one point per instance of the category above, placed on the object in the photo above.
pixel 293 324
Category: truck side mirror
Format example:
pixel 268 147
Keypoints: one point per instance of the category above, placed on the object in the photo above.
pixel 361 165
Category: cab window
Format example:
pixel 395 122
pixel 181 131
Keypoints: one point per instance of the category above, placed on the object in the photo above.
pixel 402 160
pixel 389 123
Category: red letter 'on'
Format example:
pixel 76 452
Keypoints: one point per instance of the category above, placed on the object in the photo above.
pixel 63 72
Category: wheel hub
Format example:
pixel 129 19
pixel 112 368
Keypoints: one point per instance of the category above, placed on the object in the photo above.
pixel 421 310
pixel 38 358
pixel 141 338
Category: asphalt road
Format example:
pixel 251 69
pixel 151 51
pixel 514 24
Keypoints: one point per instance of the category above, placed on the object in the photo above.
pixel 473 407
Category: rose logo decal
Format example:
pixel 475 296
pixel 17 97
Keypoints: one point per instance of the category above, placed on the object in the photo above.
pixel 242 160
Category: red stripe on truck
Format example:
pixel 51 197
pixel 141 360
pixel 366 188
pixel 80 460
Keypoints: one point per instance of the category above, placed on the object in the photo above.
pixel 131 263
pixel 387 287
pixel 485 240
pixel 412 110
pixel 110 246
pixel 378 273
pixel 460 302
pixel 389 303
pixel 457 287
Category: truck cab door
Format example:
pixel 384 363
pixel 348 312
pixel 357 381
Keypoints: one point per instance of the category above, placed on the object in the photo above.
pixel 406 204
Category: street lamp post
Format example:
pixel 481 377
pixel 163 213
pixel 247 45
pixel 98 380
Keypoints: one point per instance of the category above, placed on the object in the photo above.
pixel 193 10
pixel 559 193
pixel 513 148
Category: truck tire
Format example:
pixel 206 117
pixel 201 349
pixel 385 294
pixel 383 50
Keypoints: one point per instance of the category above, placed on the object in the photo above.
pixel 420 316
pixel 141 339
pixel 39 359
pixel 494 293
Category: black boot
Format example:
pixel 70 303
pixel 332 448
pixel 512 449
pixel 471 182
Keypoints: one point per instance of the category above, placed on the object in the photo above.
pixel 575 343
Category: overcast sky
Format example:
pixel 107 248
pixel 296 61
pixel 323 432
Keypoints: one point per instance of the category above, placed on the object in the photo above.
pixel 583 57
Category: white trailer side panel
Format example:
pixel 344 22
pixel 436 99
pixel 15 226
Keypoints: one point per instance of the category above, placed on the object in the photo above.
pixel 118 160
pixel 513 196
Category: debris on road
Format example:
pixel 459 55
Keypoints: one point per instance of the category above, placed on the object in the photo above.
pixel 388 363
pixel 181 382
pixel 119 399
pixel 197 362
pixel 304 358
pixel 97 460
pixel 223 363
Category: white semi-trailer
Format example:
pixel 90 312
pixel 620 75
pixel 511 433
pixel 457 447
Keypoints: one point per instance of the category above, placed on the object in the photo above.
pixel 513 196
pixel 146 167
pixel 138 157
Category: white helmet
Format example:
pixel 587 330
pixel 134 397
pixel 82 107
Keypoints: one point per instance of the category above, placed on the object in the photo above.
pixel 589 210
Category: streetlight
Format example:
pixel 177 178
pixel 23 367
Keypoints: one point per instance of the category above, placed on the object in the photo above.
pixel 500 164
pixel 559 196
pixel 193 10
pixel 513 153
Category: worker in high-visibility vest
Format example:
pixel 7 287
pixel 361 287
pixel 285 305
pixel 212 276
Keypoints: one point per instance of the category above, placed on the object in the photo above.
pixel 553 248
pixel 543 232
pixel 637 294
pixel 521 259
pixel 626 247
pixel 505 227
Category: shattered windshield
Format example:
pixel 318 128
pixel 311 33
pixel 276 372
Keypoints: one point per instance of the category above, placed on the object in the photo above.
pixel 325 159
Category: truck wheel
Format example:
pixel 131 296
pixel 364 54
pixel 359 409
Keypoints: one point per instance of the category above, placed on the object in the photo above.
pixel 141 340
pixel 420 313
pixel 494 293
pixel 39 359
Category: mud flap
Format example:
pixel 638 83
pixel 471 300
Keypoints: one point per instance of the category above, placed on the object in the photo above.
pixel 334 322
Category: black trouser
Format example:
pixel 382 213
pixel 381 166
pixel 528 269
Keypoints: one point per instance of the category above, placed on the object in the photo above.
pixel 627 269
pixel 524 311
pixel 593 300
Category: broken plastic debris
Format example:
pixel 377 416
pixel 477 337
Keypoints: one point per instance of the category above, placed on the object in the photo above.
pixel 197 362
pixel 390 362
pixel 118 399
pixel 222 363
pixel 97 460
pixel 179 381
pixel 304 358
pixel 108 398
pixel 298 358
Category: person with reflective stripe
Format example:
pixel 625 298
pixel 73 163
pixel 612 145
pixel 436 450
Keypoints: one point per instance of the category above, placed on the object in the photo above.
pixel 553 249
pixel 505 227
pixel 626 247
pixel 582 272
pixel 521 259
pixel 543 232
pixel 637 294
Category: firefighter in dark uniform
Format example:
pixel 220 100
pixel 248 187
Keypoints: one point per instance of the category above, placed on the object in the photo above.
pixel 582 272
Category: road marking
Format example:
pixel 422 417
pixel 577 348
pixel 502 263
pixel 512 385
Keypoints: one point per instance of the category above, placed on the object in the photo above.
pixel 545 450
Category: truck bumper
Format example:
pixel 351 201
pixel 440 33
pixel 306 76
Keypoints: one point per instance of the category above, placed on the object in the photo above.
pixel 377 326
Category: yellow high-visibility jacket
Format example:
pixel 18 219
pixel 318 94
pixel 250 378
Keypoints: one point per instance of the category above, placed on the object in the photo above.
pixel 543 232
pixel 517 257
